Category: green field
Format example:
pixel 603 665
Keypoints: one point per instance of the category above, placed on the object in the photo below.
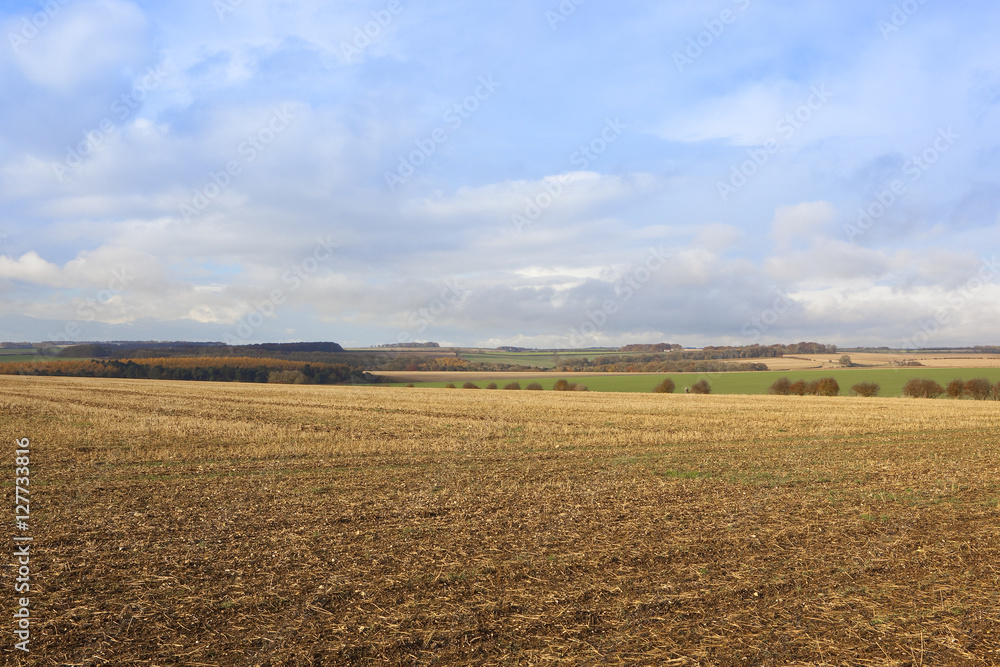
pixel 15 355
pixel 540 358
pixel 890 380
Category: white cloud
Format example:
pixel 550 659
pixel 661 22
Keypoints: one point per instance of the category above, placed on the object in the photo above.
pixel 31 268
pixel 588 228
pixel 570 192
pixel 84 41
pixel 745 118
pixel 806 221
pixel 717 237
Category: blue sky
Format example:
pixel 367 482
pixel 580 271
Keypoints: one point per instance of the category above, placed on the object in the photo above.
pixel 500 173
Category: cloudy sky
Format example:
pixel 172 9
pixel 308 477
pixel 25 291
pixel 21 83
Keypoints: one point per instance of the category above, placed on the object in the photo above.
pixel 491 173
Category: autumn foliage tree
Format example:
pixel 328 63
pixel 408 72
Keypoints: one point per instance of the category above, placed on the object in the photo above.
pixel 204 369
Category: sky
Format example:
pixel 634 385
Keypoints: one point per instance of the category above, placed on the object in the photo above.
pixel 537 173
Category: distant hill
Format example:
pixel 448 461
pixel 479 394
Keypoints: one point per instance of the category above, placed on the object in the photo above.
pixel 409 345
pixel 141 349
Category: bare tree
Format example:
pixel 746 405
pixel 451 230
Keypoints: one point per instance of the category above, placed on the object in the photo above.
pixel 665 387
pixel 921 388
pixel 956 388
pixel 827 387
pixel 781 387
pixel 701 387
pixel 867 389
pixel 979 388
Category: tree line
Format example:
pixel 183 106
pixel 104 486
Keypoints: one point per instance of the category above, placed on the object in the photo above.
pixel 139 350
pixel 205 369
pixel 654 364
pixel 822 387
pixel 979 389
pixel 755 351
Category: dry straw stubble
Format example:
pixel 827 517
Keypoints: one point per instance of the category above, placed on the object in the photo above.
pixel 188 523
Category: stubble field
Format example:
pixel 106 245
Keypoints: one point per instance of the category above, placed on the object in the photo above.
pixel 217 524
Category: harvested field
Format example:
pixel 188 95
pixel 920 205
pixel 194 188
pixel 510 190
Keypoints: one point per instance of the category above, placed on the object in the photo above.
pixel 875 359
pixel 482 376
pixel 890 380
pixel 227 524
